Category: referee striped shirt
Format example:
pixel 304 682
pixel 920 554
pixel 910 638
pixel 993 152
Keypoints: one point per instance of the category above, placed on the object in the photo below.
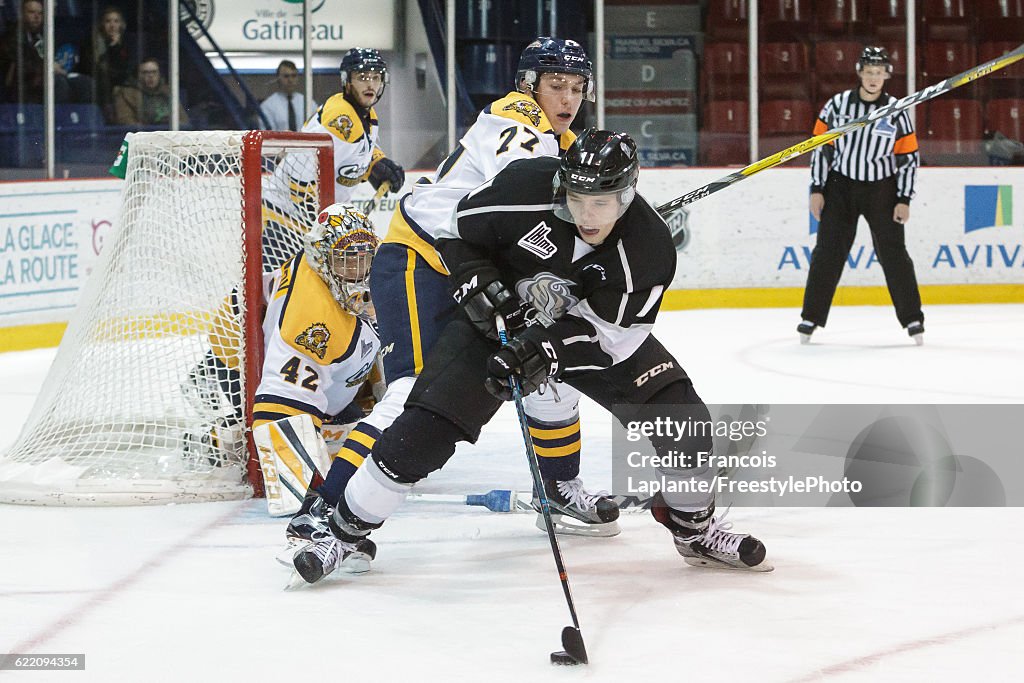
pixel 885 148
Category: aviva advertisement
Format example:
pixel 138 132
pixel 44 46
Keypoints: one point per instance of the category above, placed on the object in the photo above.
pixel 963 230
pixel 277 25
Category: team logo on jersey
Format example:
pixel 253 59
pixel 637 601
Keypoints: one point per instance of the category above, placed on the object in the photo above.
pixel 527 108
pixel 549 294
pixel 342 124
pixel 366 348
pixel 884 128
pixel 315 338
pixel 360 376
pixel 536 241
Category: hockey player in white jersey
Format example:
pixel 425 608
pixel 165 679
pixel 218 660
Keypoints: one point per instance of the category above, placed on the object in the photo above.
pixel 411 289
pixel 350 119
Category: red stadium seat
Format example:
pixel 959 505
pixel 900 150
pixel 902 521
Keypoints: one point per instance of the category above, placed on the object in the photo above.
pixel 725 71
pixel 729 116
pixel 785 19
pixel 948 19
pixel 889 19
pixel 727 20
pixel 724 149
pixel 957 122
pixel 897 50
pixel 945 59
pixel 1006 117
pixel 786 116
pixel 838 57
pixel 1001 19
pixel 785 72
pixel 1008 81
pixel 840 17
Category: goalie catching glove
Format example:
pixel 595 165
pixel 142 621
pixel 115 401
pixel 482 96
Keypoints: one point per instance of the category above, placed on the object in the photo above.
pixel 532 357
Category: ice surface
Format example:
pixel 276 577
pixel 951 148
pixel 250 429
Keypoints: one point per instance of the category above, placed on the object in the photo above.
pixel 192 591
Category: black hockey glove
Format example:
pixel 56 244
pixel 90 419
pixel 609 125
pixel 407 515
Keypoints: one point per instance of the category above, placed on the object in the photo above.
pixel 532 357
pixel 481 296
pixel 385 169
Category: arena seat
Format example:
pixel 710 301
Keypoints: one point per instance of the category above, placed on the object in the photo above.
pixel 888 19
pixel 943 59
pixel 787 116
pixel 948 19
pixel 785 19
pixel 726 20
pixel 840 17
pixel 1005 116
pixel 727 116
pixel 725 69
pixel 785 72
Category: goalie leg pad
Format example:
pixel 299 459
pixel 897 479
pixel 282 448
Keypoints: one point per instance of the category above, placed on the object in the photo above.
pixel 291 451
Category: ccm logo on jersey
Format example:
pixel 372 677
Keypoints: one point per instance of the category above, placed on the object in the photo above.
pixel 536 241
pixel 656 370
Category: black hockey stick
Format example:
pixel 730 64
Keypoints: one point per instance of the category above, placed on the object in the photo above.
pixel 828 136
pixel 573 652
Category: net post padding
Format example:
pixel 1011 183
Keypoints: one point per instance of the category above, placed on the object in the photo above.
pixel 149 396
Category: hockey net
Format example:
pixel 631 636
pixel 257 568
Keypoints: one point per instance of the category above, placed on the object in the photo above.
pixel 133 410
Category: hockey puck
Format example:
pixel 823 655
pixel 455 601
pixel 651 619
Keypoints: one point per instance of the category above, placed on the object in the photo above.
pixel 563 658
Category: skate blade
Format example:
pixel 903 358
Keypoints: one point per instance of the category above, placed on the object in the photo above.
pixel 805 339
pixel 918 339
pixel 356 563
pixel 284 557
pixel 708 563
pixel 563 527
pixel 295 582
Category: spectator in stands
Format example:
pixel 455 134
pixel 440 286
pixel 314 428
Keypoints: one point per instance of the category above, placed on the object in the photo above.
pixel 285 109
pixel 22 66
pixel 108 57
pixel 147 102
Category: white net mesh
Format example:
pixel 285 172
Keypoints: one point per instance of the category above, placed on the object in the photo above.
pixel 145 398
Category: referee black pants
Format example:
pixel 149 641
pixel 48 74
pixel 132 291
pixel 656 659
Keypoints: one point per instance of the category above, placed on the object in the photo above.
pixel 845 201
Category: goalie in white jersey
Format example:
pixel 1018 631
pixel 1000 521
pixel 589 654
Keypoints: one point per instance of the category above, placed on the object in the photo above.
pixel 411 288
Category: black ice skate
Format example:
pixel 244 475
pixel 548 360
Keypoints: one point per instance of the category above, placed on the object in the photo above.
pixel 307 526
pixel 916 332
pixel 705 541
pixel 318 559
pixel 577 512
pixel 806 328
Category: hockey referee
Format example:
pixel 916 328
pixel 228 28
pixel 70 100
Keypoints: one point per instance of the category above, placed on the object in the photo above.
pixel 869 172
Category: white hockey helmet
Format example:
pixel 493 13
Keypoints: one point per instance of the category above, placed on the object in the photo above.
pixel 340 248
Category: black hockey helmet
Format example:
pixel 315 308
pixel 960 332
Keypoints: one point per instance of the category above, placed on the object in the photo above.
pixel 600 162
pixel 554 55
pixel 872 55
pixel 363 60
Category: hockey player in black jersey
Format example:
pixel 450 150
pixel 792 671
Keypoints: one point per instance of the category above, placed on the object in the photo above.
pixel 576 265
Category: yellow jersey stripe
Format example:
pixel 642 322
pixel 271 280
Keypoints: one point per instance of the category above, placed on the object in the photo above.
pixel 414 316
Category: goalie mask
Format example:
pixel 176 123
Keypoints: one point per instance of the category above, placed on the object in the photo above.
pixel 600 163
pixel 340 248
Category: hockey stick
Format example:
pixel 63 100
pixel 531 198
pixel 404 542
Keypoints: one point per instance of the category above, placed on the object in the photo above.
pixel 574 652
pixel 828 136
pixel 381 191
pixel 510 500
pixel 496 500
